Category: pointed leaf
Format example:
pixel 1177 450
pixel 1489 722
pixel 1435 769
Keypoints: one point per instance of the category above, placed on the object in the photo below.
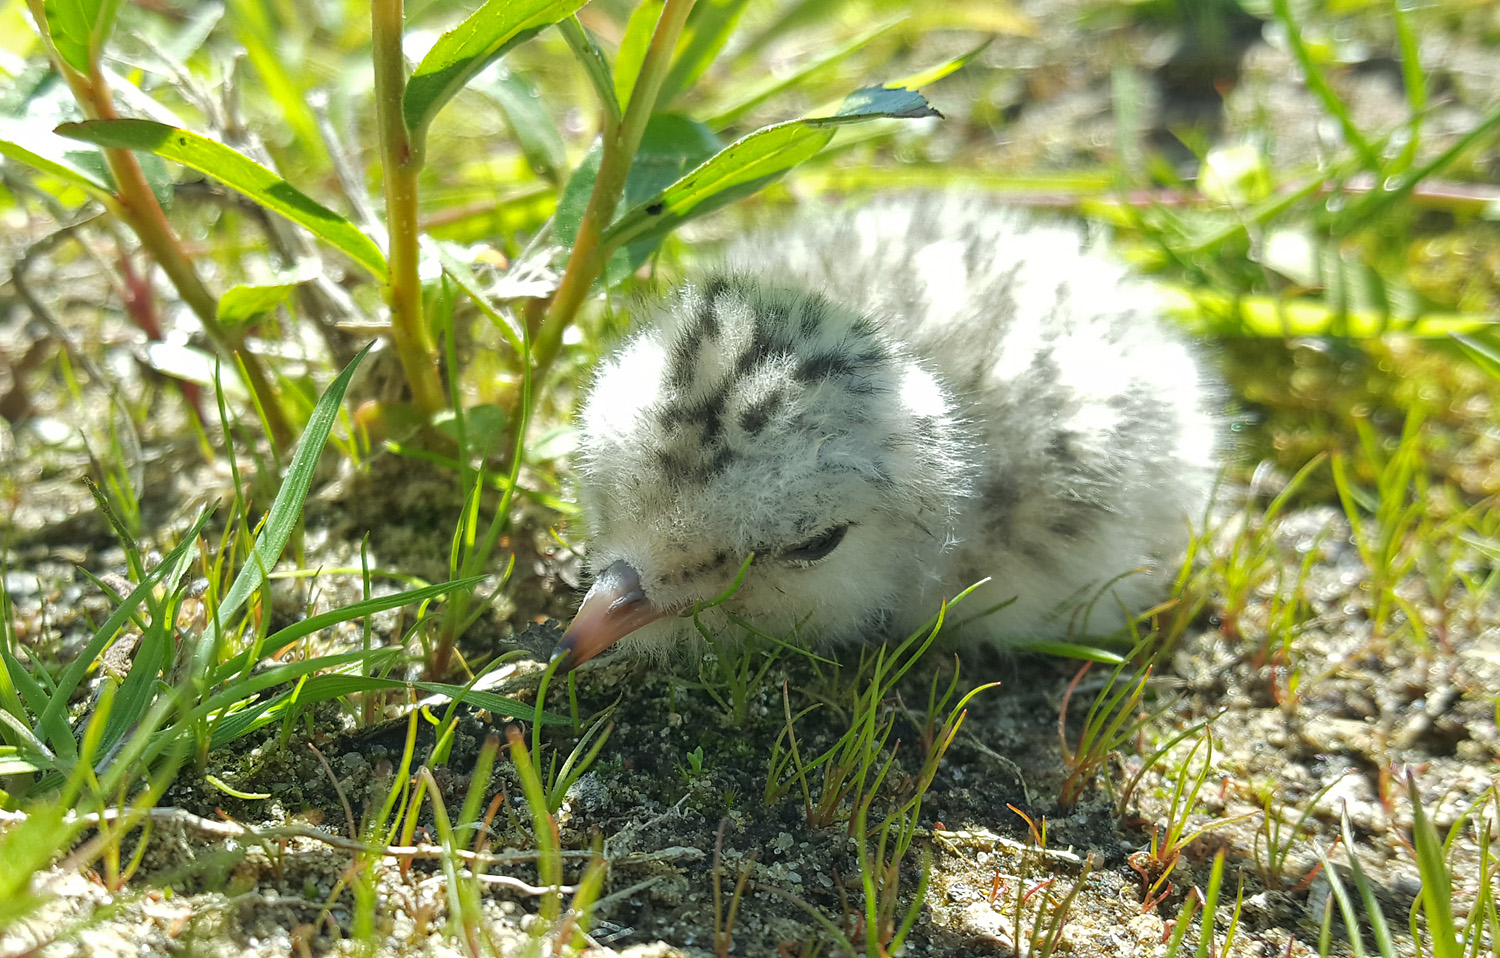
pixel 708 28
pixel 287 506
pixel 236 171
pixel 922 78
pixel 79 28
pixel 633 45
pixel 880 102
pixel 749 164
pixel 671 145
pixel 471 46
pixel 242 303
pixel 43 150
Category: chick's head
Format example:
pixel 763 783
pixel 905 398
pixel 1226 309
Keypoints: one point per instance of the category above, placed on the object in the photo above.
pixel 749 419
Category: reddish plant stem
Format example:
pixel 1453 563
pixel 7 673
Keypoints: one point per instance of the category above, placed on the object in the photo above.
pixel 137 206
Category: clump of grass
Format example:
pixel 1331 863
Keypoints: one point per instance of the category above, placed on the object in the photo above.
pixel 1277 839
pixel 856 773
pixel 557 778
pixel 1156 864
pixel 1385 539
pixel 1050 907
pixel 853 767
pixel 193 680
pixel 1114 719
pixel 1435 908
pixel 1209 900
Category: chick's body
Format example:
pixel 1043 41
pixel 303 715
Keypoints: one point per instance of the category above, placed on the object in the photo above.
pixel 886 405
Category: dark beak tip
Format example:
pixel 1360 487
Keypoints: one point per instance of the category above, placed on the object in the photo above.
pixel 614 607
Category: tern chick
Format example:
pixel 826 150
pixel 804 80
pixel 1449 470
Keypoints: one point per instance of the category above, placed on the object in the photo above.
pixel 885 405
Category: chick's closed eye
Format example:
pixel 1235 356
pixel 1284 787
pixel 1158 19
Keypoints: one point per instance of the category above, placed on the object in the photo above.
pixel 818 546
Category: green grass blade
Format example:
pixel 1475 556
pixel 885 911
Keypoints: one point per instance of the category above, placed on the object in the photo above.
pixel 1381 931
pixel 321 688
pixel 1377 202
pixel 1317 83
pixel 236 171
pixel 287 506
pixel 632 50
pixel 314 623
pixel 1484 348
pixel 1341 895
pixel 21 681
pixel 26 849
pixel 139 689
pixel 485 35
pixel 1437 884
pixel 744 102
pixel 75 671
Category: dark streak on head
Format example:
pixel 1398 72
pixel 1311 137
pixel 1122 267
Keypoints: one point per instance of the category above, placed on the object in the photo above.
pixel 1044 365
pixel 825 365
pixel 1036 553
pixel 814 312
pixel 753 418
pixel 682 358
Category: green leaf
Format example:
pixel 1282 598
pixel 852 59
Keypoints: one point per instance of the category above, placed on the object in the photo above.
pixel 1484 348
pixel 239 173
pixel 243 303
pixel 532 124
pixel 671 145
pixel 26 849
pixel 475 43
pixel 30 690
pixel 139 689
pixel 320 688
pixel 79 29
pixel 46 151
pixel 922 78
pixel 633 46
pixel 741 169
pixel 1069 650
pixel 749 164
pixel 880 102
pixel 708 28
pixel 281 638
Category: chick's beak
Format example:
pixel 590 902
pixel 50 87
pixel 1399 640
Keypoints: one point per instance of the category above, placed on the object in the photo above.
pixel 615 607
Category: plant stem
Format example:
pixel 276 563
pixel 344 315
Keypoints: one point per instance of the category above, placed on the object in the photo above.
pixel 401 165
pixel 621 140
pixel 139 209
